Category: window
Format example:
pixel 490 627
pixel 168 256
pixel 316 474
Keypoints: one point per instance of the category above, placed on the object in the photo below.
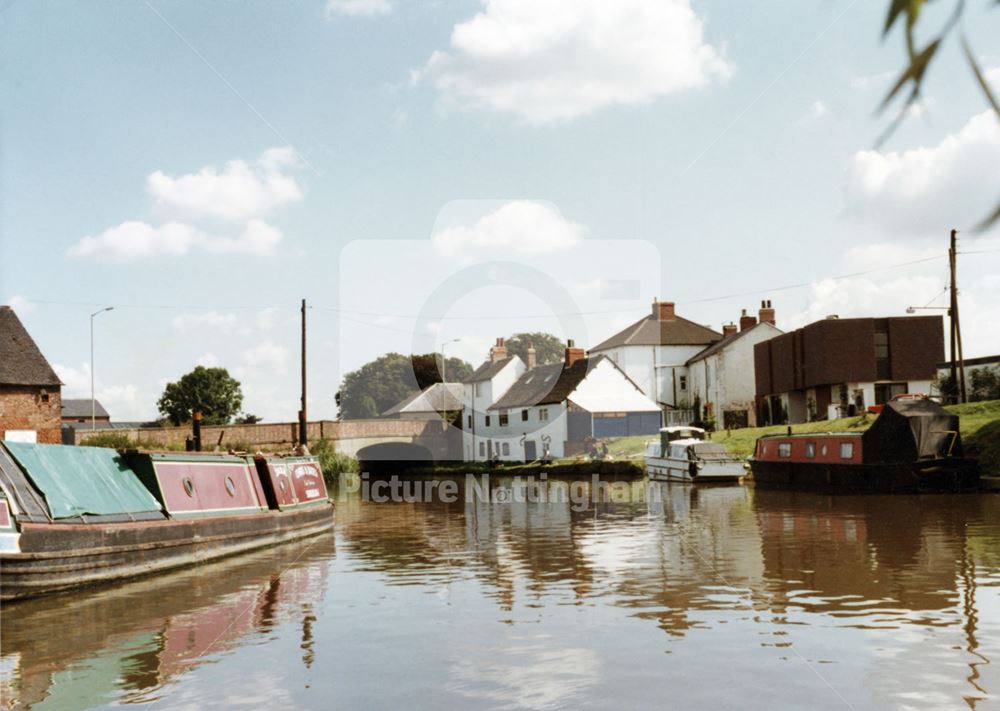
pixel 487 419
pixel 482 449
pixel 479 388
pixel 846 450
pixel 810 450
pixel 524 415
pixel 505 447
pixel 543 414
pixel 470 422
pixel 504 419
pixel 683 384
pixel 784 449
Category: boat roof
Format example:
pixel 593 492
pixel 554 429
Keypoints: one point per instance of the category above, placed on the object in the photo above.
pixel 681 428
pixel 810 435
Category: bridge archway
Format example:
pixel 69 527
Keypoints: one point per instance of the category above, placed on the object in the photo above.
pixel 392 457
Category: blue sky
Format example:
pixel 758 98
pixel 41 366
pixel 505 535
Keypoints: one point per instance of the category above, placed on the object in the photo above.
pixel 204 166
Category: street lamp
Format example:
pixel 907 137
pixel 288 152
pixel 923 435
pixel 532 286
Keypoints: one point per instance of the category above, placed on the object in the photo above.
pixel 93 402
pixel 454 340
pixel 914 309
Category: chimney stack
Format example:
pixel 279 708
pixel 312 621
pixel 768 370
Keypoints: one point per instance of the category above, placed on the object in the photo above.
pixel 766 312
pixel 663 310
pixel 573 354
pixel 747 321
pixel 532 357
pixel 728 329
pixel 498 352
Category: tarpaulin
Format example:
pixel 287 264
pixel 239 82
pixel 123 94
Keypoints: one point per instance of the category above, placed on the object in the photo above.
pixel 82 480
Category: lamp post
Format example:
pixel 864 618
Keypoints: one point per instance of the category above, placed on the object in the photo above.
pixel 454 340
pixel 93 401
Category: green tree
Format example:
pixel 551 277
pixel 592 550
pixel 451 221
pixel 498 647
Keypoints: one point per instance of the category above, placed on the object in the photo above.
pixel 211 391
pixel 379 384
pixel 985 385
pixel 548 348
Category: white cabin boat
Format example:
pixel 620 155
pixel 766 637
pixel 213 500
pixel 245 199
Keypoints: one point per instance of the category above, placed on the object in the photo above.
pixel 683 454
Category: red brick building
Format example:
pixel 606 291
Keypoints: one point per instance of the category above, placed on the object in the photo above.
pixel 30 406
pixel 836 367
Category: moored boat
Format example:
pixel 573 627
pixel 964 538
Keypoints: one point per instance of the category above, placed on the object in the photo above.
pixel 683 454
pixel 914 445
pixel 73 516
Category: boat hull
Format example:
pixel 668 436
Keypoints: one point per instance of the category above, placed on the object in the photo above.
pixel 874 478
pixel 54 557
pixel 667 469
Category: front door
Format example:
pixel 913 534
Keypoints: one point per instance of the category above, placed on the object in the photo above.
pixel 530 453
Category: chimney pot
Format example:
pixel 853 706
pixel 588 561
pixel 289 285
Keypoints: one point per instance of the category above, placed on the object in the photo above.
pixel 532 357
pixel 498 352
pixel 728 329
pixel 573 354
pixel 747 321
pixel 766 313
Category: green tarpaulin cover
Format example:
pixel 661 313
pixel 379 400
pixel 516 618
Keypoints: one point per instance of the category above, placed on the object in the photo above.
pixel 82 480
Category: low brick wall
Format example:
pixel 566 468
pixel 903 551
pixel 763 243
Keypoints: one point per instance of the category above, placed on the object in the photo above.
pixel 275 434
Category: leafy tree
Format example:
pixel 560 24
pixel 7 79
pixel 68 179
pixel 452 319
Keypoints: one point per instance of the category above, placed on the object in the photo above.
pixel 985 384
pixel 212 391
pixel 909 13
pixel 247 419
pixel 948 388
pixel 378 385
pixel 548 348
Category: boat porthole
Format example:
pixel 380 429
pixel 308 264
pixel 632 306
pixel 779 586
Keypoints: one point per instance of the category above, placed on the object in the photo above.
pixel 281 483
pixel 188 486
pixel 822 450
pixel 230 486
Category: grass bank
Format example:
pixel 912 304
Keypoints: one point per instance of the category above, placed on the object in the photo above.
pixel 979 423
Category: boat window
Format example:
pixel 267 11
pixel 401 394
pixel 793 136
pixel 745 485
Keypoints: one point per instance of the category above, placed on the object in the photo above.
pixel 230 486
pixel 823 450
pixel 810 450
pixel 281 483
pixel 846 450
pixel 188 486
pixel 784 449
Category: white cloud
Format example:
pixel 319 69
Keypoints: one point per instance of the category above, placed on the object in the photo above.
pixel 124 402
pixel 880 79
pixel 208 360
pixel 266 356
pixel 358 7
pixel 75 381
pixel 265 318
pixel 545 61
pixel 259 239
pixel 239 191
pixel 517 228
pixel 818 109
pixel 993 76
pixel 137 240
pixel 205 319
pixel 20 304
pixel 929 189
pixel 889 293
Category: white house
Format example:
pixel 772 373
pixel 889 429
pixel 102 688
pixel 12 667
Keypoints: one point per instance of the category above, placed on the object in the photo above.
pixel 653 352
pixel 721 377
pixel 554 408
pixel 480 390
pixel 437 401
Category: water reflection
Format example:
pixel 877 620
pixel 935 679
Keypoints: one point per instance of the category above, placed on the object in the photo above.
pixel 670 595
pixel 124 643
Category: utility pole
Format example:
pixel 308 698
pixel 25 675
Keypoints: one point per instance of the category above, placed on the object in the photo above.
pixel 957 360
pixel 303 419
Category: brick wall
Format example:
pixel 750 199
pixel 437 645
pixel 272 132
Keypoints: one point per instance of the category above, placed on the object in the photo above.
pixel 24 408
pixel 275 434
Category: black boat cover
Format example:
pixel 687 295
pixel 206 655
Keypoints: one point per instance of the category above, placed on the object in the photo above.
pixel 908 430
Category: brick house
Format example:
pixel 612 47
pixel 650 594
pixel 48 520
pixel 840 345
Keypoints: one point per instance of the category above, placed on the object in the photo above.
pixel 30 406
pixel 837 367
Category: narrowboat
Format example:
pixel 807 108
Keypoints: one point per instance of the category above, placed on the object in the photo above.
pixel 683 454
pixel 74 516
pixel 914 445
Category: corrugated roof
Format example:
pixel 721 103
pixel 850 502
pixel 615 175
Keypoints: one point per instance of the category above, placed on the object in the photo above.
pixel 80 407
pixel 724 343
pixel 546 384
pixel 488 369
pixel 21 363
pixel 439 397
pixel 650 331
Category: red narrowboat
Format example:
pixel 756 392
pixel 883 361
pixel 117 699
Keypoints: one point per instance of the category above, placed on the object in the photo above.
pixel 913 445
pixel 73 516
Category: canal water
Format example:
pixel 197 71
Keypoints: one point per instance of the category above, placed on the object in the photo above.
pixel 667 597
